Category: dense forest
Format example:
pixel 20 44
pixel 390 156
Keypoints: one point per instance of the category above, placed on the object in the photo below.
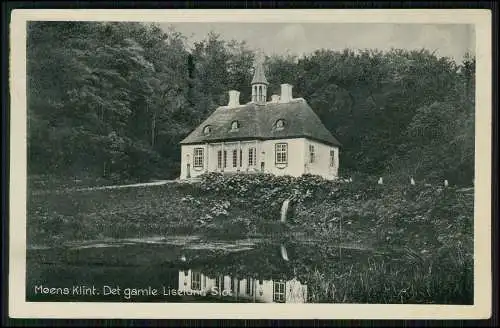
pixel 113 100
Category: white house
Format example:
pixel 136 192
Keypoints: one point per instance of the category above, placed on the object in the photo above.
pixel 250 289
pixel 282 136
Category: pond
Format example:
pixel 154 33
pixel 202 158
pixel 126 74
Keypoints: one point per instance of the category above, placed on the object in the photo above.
pixel 184 269
pixel 203 269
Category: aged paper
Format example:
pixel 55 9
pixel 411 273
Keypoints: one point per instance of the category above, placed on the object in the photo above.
pixel 291 292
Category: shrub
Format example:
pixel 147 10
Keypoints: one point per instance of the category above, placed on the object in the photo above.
pixel 262 194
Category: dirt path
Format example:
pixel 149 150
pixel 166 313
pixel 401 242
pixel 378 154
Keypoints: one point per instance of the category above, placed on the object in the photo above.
pixel 96 188
pixel 134 185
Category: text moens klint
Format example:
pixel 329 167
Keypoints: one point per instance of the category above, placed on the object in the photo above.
pixel 126 293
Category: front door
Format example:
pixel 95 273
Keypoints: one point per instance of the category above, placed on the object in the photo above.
pixel 262 166
pixel 188 170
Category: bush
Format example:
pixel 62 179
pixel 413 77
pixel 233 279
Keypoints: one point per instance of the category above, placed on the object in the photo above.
pixel 262 194
pixel 390 215
pixel 266 187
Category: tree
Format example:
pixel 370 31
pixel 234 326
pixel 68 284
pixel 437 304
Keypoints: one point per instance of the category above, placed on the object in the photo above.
pixel 115 99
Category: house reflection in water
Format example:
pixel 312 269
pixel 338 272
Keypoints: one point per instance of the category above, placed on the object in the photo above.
pixel 247 289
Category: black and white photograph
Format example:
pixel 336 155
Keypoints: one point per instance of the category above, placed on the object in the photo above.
pixel 257 160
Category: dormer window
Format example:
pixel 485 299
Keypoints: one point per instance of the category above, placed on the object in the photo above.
pixel 207 130
pixel 235 125
pixel 280 124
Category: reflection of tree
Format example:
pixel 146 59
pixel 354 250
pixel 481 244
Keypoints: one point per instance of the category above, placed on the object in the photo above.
pixel 261 263
pixel 313 273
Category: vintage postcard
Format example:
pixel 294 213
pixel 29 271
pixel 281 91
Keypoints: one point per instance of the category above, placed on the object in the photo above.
pixel 328 164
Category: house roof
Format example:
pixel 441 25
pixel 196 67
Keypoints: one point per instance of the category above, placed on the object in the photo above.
pixel 258 122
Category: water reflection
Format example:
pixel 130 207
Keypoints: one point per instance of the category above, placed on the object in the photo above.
pixel 196 283
pixel 284 272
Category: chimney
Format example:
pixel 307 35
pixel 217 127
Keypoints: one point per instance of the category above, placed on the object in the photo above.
pixel 234 98
pixel 286 93
pixel 275 98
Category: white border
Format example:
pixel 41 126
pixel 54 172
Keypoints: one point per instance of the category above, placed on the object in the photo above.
pixel 19 308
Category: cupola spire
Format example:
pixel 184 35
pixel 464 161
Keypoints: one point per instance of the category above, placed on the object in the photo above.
pixel 259 83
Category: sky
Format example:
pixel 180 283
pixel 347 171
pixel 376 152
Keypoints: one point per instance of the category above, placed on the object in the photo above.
pixel 450 40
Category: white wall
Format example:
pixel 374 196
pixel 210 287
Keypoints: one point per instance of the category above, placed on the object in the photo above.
pixel 295 165
pixel 224 290
pixel 267 291
pixel 295 291
pixel 229 147
pixel 187 153
pixel 206 282
pixel 298 158
pixel 321 165
pixel 210 158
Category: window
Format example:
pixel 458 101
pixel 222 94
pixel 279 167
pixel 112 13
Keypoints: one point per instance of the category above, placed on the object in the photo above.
pixel 252 156
pixel 220 159
pixel 232 285
pixel 235 158
pixel 280 124
pixel 332 158
pixel 195 280
pixel 312 154
pixel 279 291
pixel 249 289
pixel 281 153
pixel 217 283
pixel 198 157
pixel 241 158
pixel 235 126
pixel 207 129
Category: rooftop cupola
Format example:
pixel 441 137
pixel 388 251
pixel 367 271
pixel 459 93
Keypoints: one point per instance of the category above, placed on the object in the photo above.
pixel 259 84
